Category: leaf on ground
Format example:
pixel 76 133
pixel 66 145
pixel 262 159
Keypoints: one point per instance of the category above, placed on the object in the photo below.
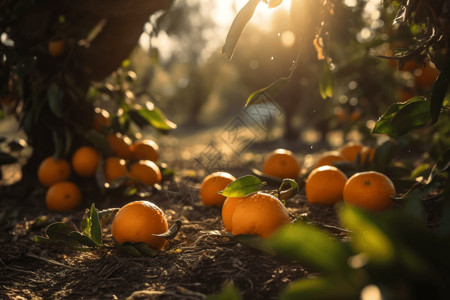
pixel 172 232
pixel 291 191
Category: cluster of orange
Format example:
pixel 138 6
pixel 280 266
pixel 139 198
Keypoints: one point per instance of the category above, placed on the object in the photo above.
pixel 134 160
pixel 262 213
pixel 326 184
pixel 54 174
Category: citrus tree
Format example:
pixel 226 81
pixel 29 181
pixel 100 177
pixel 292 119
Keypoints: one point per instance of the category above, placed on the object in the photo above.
pixel 54 54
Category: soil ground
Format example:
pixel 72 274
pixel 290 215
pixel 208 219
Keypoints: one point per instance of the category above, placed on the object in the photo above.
pixel 198 262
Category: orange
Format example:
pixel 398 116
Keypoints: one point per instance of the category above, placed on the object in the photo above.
pixel 85 161
pixel 328 159
pixel 370 190
pixel 212 184
pixel 114 168
pixel 281 163
pixel 63 196
pixel 137 222
pixel 146 171
pixel 325 185
pixel 350 151
pixel 56 47
pixel 355 115
pixel 51 171
pixel 341 114
pixel 145 149
pixel 101 119
pixel 228 209
pixel 367 154
pixel 120 145
pixel 426 76
pixel 260 214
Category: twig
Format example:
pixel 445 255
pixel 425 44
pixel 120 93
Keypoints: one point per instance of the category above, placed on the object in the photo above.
pixel 15 269
pixel 50 261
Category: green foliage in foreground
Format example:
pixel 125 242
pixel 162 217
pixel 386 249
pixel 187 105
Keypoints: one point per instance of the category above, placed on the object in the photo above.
pixel 390 254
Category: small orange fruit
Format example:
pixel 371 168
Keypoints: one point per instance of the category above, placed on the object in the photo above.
pixel 341 114
pixel 63 196
pixel 370 190
pixel 85 161
pixel 367 154
pixel 146 171
pixel 325 185
pixel 101 119
pixel 350 151
pixel 56 47
pixel 145 149
pixel 355 115
pixel 260 214
pixel 51 171
pixel 137 222
pixel 281 163
pixel 328 159
pixel 228 209
pixel 114 168
pixel 426 76
pixel 120 145
pixel 212 184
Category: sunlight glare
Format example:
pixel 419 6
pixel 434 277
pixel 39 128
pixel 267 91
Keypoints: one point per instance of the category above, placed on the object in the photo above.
pixel 371 292
pixel 288 39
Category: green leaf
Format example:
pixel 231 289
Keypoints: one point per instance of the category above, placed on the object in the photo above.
pixel 439 91
pixel 331 287
pixel 242 186
pixel 269 92
pixel 154 117
pixel 228 292
pixel 55 100
pixel 172 232
pixel 6 159
pixel 135 249
pixel 239 22
pixel 96 228
pixel 255 242
pixel 130 250
pixel 326 83
pixel 411 116
pixel 403 117
pixel 383 125
pixel 60 231
pixel 82 239
pixel 291 191
pixel 312 246
pixel 367 237
pixel 145 250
